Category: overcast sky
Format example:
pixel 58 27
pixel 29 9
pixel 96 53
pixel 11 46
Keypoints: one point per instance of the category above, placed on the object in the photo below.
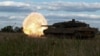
pixel 13 12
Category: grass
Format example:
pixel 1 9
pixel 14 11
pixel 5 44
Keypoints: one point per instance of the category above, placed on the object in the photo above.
pixel 18 44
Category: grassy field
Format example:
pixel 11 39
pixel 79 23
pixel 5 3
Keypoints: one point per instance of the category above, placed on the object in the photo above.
pixel 18 44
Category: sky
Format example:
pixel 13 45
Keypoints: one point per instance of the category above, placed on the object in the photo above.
pixel 13 12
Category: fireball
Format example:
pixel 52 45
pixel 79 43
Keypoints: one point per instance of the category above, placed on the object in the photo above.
pixel 32 25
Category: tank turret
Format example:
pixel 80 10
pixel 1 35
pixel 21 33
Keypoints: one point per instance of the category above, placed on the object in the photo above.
pixel 70 24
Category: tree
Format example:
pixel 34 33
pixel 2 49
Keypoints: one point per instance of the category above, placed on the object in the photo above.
pixel 7 29
pixel 18 29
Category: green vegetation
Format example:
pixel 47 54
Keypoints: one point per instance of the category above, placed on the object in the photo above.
pixel 18 44
pixel 11 29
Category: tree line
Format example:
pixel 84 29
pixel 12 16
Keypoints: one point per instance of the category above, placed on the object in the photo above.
pixel 11 29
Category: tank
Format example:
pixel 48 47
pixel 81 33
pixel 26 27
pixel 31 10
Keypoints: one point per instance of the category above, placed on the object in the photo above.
pixel 74 29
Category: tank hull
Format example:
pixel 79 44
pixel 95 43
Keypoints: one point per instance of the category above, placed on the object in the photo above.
pixel 80 32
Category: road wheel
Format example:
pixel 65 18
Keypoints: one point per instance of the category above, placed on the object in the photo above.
pixel 78 35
